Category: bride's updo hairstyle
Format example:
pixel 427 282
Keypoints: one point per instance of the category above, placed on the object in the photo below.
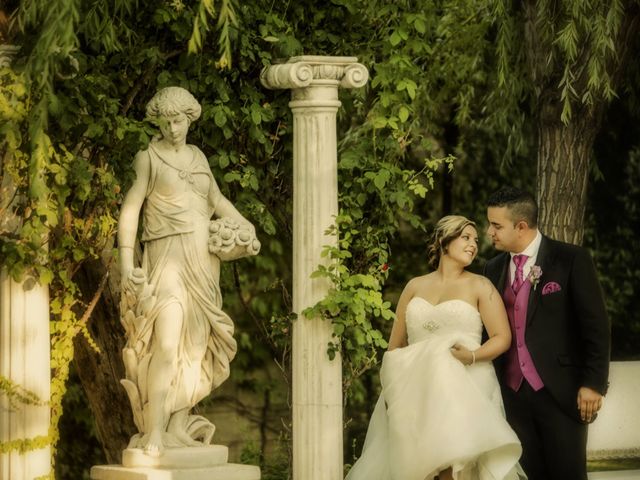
pixel 171 101
pixel 447 229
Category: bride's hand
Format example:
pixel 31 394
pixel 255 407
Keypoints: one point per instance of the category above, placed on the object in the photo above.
pixel 463 354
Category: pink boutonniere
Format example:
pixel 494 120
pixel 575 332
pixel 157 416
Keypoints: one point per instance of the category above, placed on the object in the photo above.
pixel 534 275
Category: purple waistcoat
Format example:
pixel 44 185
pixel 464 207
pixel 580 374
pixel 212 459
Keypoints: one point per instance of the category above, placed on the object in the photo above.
pixel 519 364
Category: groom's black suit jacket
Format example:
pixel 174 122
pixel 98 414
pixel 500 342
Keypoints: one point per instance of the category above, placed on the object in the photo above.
pixel 568 331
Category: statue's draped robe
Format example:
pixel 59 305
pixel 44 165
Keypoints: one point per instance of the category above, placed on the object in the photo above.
pixel 176 261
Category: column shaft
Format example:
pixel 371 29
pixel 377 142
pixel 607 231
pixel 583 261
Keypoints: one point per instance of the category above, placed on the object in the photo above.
pixel 317 381
pixel 24 359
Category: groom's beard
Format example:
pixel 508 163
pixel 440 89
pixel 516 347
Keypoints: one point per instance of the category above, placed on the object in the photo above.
pixel 495 244
pixel 498 246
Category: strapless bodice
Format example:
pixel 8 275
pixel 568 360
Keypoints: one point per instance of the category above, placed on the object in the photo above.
pixel 451 316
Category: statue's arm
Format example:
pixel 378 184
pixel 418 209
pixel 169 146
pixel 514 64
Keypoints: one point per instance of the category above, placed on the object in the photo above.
pixel 130 213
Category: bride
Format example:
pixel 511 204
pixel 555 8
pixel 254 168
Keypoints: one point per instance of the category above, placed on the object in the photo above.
pixel 440 412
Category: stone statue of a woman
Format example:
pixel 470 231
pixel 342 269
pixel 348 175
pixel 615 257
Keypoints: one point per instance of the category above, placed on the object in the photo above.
pixel 179 341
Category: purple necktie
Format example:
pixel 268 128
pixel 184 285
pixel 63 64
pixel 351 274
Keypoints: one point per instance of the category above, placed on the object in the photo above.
pixel 518 279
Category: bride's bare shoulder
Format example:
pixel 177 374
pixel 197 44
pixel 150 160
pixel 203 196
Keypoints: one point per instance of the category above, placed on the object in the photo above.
pixel 419 283
pixel 481 284
pixel 422 279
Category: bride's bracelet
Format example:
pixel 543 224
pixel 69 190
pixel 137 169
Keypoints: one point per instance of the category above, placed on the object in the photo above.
pixel 473 357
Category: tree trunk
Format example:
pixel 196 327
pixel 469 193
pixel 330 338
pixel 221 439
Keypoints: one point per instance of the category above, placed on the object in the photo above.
pixel 100 372
pixel 564 156
pixel 565 150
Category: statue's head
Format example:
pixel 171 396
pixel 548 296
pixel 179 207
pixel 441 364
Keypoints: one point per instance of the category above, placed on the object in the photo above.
pixel 172 101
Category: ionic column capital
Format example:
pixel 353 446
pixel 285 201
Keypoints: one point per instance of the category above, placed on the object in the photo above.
pixel 313 70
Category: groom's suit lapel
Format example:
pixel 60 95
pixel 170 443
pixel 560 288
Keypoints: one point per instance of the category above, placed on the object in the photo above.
pixel 504 272
pixel 544 261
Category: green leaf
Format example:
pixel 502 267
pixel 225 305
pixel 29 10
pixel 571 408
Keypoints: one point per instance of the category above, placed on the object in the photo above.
pixel 379 122
pixel 381 179
pixel 256 117
pixel 403 114
pixel 223 160
pixel 219 118
pixel 395 39
pixel 411 89
pixel 94 130
pixel 46 276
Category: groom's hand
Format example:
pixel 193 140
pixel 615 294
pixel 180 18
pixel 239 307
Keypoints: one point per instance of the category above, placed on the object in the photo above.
pixel 589 402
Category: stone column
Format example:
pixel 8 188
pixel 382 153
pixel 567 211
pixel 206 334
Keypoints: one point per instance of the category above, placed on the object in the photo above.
pixel 24 360
pixel 317 381
pixel 24 349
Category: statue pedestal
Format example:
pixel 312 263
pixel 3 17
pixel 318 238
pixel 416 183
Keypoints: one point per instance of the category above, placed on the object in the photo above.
pixel 188 457
pixel 189 463
pixel 228 471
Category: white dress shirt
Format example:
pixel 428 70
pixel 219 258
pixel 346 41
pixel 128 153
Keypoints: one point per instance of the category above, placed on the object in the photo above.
pixel 532 252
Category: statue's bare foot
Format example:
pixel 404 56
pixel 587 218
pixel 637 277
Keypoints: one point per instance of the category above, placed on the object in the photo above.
pixel 154 447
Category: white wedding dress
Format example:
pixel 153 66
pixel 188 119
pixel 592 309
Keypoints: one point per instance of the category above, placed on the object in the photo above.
pixel 433 411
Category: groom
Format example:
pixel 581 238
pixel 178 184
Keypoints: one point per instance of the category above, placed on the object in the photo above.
pixel 555 373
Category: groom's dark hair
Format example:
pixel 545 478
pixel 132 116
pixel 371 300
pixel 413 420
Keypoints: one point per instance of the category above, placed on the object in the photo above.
pixel 520 203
